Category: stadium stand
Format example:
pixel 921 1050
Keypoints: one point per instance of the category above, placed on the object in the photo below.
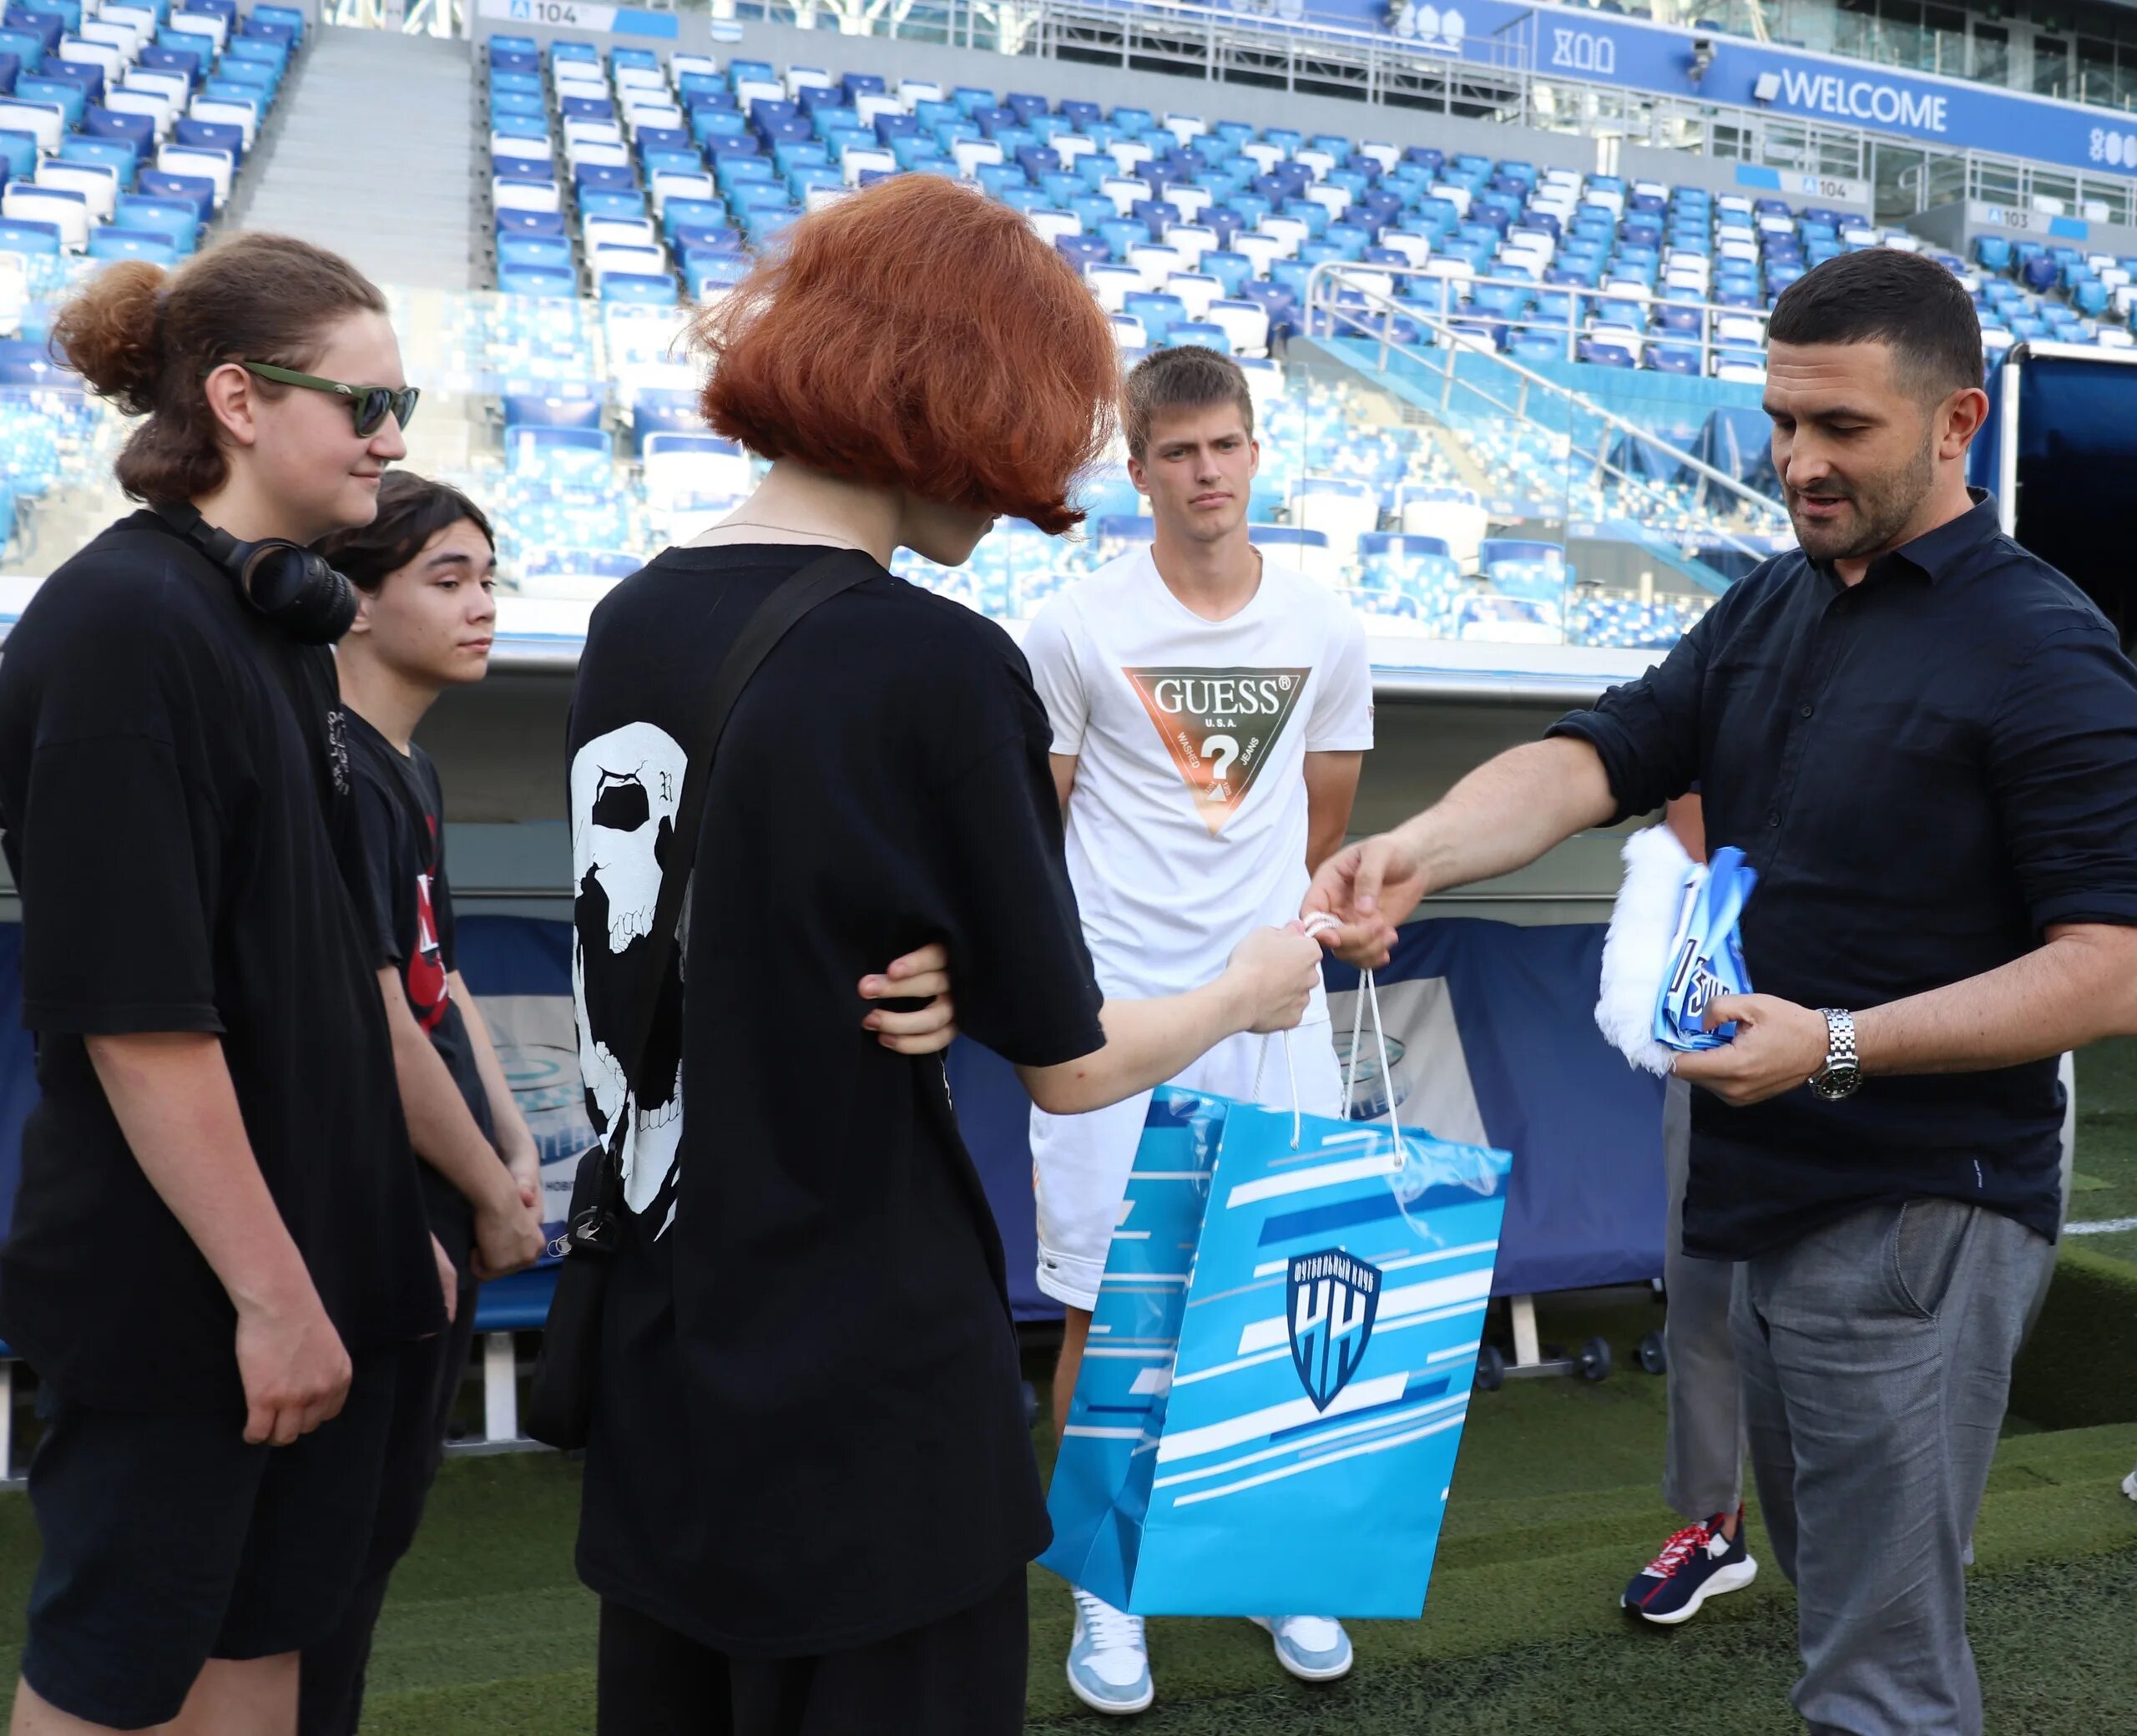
pixel 122 129
pixel 624 186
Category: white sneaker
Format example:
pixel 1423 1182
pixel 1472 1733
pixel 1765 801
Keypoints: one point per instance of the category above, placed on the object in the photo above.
pixel 1109 1665
pixel 2129 1485
pixel 1314 1648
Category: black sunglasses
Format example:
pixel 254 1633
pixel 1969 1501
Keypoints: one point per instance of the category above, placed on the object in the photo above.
pixel 369 404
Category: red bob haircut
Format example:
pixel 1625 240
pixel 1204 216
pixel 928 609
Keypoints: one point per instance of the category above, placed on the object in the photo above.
pixel 919 336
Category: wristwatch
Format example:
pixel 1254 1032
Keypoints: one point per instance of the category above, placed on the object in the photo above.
pixel 1842 1074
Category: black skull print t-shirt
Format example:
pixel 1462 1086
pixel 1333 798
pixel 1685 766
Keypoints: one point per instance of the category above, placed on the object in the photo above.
pixel 809 1433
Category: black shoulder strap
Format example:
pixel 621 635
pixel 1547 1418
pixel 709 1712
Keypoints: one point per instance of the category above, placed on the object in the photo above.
pixel 819 582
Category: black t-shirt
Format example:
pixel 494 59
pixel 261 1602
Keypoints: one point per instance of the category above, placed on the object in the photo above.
pixel 400 818
pixel 809 1433
pixel 171 823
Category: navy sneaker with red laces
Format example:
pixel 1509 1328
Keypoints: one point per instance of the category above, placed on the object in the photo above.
pixel 1696 1564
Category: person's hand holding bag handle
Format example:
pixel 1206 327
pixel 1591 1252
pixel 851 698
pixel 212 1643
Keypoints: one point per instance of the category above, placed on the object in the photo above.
pixel 1264 987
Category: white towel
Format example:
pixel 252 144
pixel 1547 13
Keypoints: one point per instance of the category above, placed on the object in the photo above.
pixel 1636 951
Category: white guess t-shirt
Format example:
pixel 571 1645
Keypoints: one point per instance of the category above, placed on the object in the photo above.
pixel 1187 825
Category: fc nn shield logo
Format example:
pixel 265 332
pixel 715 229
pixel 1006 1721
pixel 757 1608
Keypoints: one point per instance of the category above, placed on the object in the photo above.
pixel 1333 1297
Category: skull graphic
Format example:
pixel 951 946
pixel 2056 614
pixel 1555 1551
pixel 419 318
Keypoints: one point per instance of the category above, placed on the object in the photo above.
pixel 625 786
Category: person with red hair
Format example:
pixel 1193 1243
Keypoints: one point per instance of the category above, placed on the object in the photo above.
pixel 810 1492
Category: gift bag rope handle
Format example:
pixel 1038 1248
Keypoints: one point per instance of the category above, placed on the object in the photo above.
pixel 1317 923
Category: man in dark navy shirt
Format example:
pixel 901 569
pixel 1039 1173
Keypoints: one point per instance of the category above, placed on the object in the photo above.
pixel 1925 740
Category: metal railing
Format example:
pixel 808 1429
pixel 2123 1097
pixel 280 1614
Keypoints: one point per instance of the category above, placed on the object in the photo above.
pixel 1373 314
pixel 1589 313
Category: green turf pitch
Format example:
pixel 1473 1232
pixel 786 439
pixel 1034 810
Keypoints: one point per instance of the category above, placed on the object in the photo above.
pixel 488 1633
pixel 2107 1146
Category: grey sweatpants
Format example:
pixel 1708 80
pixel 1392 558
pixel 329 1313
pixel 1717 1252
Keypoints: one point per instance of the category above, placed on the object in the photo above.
pixel 1702 1472
pixel 1876 1358
pixel 1702 1465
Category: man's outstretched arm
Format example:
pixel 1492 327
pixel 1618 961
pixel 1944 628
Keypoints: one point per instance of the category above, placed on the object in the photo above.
pixel 1500 817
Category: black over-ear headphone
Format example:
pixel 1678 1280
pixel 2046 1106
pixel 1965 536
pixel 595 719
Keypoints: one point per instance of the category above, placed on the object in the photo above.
pixel 288 583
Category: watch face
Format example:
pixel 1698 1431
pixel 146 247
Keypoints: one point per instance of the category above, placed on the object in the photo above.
pixel 1835 1082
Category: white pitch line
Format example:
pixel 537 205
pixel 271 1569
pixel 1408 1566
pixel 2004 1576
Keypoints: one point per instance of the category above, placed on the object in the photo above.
pixel 2103 1226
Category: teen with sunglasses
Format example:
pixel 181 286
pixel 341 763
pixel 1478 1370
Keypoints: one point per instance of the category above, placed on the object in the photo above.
pixel 220 1265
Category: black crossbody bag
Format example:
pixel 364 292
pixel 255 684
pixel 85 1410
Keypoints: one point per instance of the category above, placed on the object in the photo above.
pixel 560 1406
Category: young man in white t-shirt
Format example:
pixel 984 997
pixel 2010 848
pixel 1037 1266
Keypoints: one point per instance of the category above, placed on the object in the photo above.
pixel 1211 712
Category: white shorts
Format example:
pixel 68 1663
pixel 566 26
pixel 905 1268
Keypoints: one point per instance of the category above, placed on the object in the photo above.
pixel 1080 1162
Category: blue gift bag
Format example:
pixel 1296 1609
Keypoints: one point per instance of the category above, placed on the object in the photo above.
pixel 1282 1436
pixel 1097 1499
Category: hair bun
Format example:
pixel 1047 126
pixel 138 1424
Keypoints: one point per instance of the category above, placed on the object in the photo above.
pixel 108 334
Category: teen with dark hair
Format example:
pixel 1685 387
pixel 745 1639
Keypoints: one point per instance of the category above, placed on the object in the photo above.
pixel 1210 710
pixel 1925 740
pixel 218 1263
pixel 810 1492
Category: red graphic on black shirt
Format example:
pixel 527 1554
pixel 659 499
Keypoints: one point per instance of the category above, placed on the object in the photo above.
pixel 428 995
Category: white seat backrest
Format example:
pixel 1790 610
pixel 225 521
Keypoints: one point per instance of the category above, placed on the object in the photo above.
pixel 1335 200
pixel 42 120
pixel 760 90
pixel 799 79
pixel 970 152
pixel 584 85
pixel 2110 337
pixel 1130 154
pixel 1245 324
pixel 1319 162
pixel 1195 290
pixel 1113 284
pixel 1053 225
pixel 198 160
pixel 1605 199
pixel 871 103
pixel 1650 190
pixel 1386 155
pixel 634 261
pixel 157 106
pixel 856 161
pixel 1263 157
pixel 638 116
pixel 820 199
pixel 1265 251
pixel 1069 146
pixel 211 25
pixel 619 232
pixel 679 65
pixel 1415 248
pixel 643 78
pixel 1191 241
pixel 1290 230
pixel 97 182
pixel 669 185
pixel 1739 251
pixel 524 150
pixel 1739 328
pixel 1124 193
pixel 1449 268
pixel 918 90
pixel 71 216
pixel 1190 202
pixel 1128 332
pixel 1744 373
pixel 1457 196
pixel 581 132
pixel 172 86
pixel 526 196
pixel 240 115
pixel 105 57
pixel 1155 263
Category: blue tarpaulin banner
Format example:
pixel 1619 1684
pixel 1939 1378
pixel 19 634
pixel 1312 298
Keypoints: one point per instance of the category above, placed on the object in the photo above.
pixel 1492 1042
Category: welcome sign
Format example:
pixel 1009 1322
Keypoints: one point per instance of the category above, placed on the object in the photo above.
pixel 1602 48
